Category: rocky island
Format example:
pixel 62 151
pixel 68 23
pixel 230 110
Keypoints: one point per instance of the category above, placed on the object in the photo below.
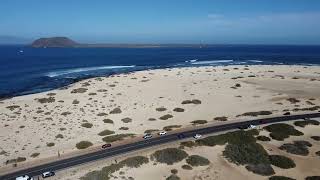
pixel 54 42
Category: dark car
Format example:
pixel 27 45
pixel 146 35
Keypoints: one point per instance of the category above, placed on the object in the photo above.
pixel 243 127
pixel 48 174
pixel 106 146
pixel 181 136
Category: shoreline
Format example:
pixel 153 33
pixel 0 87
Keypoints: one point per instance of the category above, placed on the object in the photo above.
pixel 106 75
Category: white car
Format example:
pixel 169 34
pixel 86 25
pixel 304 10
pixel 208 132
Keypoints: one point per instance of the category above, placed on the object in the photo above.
pixel 24 177
pixel 48 174
pixel 162 133
pixel 147 136
pixel 197 136
pixel 252 126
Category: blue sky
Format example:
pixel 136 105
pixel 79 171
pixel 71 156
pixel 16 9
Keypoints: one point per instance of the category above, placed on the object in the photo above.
pixel 165 21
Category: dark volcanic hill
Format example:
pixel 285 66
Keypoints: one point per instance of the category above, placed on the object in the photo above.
pixel 54 42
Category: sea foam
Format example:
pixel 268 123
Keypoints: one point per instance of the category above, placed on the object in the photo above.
pixel 86 69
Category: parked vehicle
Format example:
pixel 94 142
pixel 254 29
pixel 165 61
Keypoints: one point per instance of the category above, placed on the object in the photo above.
pixel 147 136
pixel 105 146
pixel 48 174
pixel 162 133
pixel 197 136
pixel 24 177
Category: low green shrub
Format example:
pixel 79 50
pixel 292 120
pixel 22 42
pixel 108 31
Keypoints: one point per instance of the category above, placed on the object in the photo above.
pixel 83 144
pixel 105 132
pixel 169 155
pixel 196 160
pixel 282 161
pixel 281 131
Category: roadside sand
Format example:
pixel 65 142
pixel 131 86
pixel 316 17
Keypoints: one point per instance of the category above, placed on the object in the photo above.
pixel 27 126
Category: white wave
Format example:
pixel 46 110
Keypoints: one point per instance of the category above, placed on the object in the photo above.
pixel 212 62
pixel 257 61
pixel 192 60
pixel 78 70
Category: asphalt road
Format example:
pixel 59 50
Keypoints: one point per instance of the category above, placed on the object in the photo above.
pixel 66 163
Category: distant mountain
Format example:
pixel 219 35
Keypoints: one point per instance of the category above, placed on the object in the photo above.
pixel 14 40
pixel 54 42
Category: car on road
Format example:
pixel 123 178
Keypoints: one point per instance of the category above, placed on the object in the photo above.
pixel 24 177
pixel 250 126
pixel 197 136
pixel 162 133
pixel 48 174
pixel 181 136
pixel 147 136
pixel 105 146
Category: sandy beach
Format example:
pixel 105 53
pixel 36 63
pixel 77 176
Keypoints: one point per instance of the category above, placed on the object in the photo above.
pixel 42 125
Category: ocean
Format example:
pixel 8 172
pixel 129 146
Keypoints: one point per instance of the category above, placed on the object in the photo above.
pixel 26 70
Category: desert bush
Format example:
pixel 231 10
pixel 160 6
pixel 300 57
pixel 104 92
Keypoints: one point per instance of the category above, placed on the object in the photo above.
pixel 196 160
pixel 293 100
pixel 258 113
pixel 21 159
pixel 92 94
pixel 123 128
pixel 46 100
pixel 281 131
pixel 313 178
pixel 50 144
pixel 166 117
pixel 222 118
pixel 152 119
pixel 186 167
pixel 280 178
pixel 161 109
pixel 317 153
pixel 134 162
pixel 83 144
pixel 298 148
pixel 116 137
pixel 263 138
pixel 196 122
pixel 314 108
pixel 306 122
pixel 246 153
pixel 174 171
pixel 261 169
pixel 281 161
pixel 105 132
pixel 59 136
pixel 194 101
pixel 178 109
pixel 79 90
pixel 316 138
pixel 169 155
pixel 87 125
pixel 65 113
pixel 106 172
pixel 102 114
pixel 149 131
pixel 12 107
pixel 173 177
pixel 126 120
pixel 108 121
pixel 34 155
pixel 116 111
pixel 75 102
pixel 171 127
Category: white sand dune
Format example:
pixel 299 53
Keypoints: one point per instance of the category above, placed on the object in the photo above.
pixel 27 126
